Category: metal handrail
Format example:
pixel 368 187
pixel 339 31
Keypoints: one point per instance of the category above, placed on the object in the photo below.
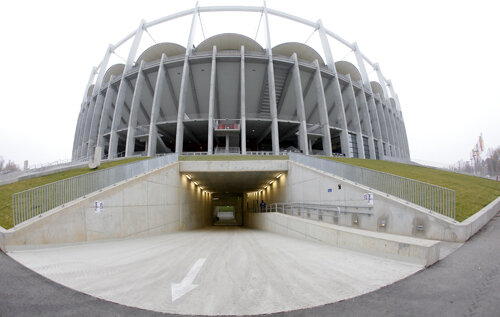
pixel 320 210
pixel 36 201
pixel 436 198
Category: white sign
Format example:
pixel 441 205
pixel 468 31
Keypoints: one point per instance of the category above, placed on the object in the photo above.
pixel 369 198
pixel 98 206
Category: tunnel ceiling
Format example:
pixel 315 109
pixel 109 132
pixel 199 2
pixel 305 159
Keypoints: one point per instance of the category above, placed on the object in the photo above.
pixel 233 182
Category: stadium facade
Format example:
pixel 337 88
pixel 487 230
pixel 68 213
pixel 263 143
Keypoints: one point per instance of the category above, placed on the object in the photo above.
pixel 230 94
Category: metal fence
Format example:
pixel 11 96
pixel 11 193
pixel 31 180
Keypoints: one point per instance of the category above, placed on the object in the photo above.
pixel 436 198
pixel 33 202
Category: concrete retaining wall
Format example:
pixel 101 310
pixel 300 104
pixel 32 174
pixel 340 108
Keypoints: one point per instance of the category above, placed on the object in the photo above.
pixel 424 252
pixel 305 184
pixel 155 202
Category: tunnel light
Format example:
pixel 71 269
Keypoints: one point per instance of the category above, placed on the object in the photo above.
pixel 265 187
pixel 271 182
pixel 201 188
pixel 195 183
pixel 279 175
pixel 189 177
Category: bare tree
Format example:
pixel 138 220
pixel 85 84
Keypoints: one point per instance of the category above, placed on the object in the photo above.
pixel 11 166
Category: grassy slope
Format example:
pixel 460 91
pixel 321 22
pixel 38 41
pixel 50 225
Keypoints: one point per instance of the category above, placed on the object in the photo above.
pixel 6 191
pixel 473 193
pixel 231 157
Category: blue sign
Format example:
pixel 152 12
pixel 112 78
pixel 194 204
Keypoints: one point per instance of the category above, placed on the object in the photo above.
pixel 330 190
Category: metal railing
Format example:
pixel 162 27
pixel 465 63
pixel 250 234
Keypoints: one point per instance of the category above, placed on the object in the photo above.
pixel 36 201
pixel 436 198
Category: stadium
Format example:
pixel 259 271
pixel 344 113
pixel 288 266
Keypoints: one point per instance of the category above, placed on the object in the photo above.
pixel 231 93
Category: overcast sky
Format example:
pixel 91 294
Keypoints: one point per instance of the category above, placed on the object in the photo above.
pixel 443 58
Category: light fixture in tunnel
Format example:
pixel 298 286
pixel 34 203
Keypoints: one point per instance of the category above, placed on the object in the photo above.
pixel 201 188
pixel 271 182
pixel 265 187
pixel 195 183
pixel 188 177
pixel 279 175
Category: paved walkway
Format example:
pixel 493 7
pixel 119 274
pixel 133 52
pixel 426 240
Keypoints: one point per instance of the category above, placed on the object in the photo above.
pixel 466 283
pixel 216 271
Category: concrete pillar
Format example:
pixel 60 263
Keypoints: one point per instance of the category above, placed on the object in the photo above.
pixel 323 110
pixel 375 121
pixel 179 136
pixel 94 127
pixel 211 102
pixel 122 91
pixel 361 66
pixel 330 63
pixel 354 104
pixel 117 116
pixel 365 116
pixel 102 68
pixel 134 109
pixel 243 123
pixel 83 142
pixel 155 108
pixel 344 142
pixel 106 112
pixel 390 128
pixel 76 139
pixel 303 143
pixel 383 124
pixel 396 143
pixel 272 88
pixel 88 124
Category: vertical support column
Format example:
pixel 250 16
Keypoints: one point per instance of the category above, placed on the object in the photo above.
pixel 378 125
pixel 398 106
pixel 88 123
pixel 122 91
pixel 344 141
pixel 390 128
pixel 94 126
pixel 365 113
pixel 361 66
pixel 102 68
pixel 79 134
pixel 76 140
pixel 243 121
pixel 134 108
pixel 357 121
pixel 325 125
pixel 179 136
pixel 303 144
pixel 85 120
pixel 396 139
pixel 211 102
pixel 108 100
pixel 155 108
pixel 272 88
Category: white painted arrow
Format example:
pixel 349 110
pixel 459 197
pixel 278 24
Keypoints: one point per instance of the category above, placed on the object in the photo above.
pixel 186 285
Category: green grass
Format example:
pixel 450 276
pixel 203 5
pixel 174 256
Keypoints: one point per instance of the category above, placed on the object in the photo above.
pixel 6 191
pixel 472 193
pixel 231 157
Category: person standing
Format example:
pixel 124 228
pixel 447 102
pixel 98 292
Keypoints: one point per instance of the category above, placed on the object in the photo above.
pixel 262 206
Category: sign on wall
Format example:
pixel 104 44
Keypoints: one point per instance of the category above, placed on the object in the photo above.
pixel 368 197
pixel 98 206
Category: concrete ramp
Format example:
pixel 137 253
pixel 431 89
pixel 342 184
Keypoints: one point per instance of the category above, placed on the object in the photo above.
pixel 420 251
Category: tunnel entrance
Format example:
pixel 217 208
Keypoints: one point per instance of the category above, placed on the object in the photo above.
pixel 227 209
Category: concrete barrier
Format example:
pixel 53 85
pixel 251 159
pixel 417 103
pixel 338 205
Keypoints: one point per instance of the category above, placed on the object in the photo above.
pixel 156 202
pixel 420 251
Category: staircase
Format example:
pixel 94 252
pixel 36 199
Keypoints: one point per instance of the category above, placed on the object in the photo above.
pixel 280 75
